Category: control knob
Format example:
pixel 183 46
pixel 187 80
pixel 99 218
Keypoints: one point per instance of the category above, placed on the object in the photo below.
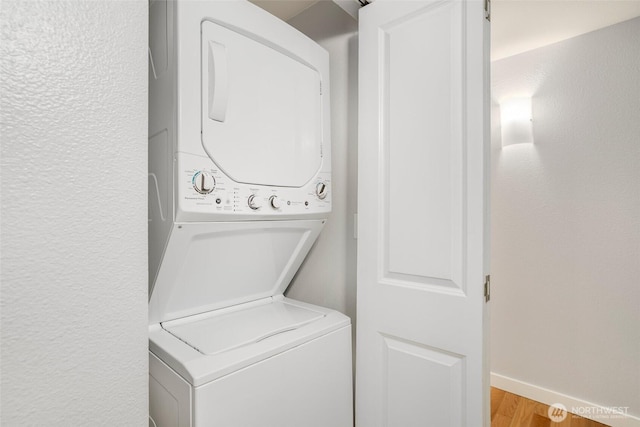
pixel 253 202
pixel 203 182
pixel 322 190
pixel 275 202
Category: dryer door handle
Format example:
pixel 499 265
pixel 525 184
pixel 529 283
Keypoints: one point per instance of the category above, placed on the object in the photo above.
pixel 218 81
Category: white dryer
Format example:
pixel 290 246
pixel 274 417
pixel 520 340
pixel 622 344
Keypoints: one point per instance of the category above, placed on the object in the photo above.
pixel 239 190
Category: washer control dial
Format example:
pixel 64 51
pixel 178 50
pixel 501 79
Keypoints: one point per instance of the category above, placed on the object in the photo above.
pixel 254 202
pixel 203 182
pixel 275 202
pixel 322 190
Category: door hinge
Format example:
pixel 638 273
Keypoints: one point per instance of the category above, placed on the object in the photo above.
pixel 487 10
pixel 487 288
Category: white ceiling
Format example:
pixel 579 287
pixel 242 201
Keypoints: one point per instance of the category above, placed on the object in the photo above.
pixel 284 9
pixel 519 25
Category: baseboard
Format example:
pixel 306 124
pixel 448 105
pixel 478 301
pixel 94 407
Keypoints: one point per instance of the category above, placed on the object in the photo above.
pixel 548 397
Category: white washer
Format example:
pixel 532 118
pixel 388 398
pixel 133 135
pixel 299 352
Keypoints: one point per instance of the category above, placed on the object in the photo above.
pixel 239 190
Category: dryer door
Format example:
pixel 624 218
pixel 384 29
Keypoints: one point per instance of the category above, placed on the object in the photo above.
pixel 261 109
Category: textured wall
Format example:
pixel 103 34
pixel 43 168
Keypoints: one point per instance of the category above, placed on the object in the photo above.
pixel 74 244
pixel 328 275
pixel 566 220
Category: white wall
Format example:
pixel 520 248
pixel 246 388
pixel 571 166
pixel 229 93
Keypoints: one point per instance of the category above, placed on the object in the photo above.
pixel 74 232
pixel 566 221
pixel 328 275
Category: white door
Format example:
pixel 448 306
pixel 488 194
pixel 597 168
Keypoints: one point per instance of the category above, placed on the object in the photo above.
pixel 423 214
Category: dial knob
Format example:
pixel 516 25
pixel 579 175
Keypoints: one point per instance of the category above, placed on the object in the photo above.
pixel 322 190
pixel 254 202
pixel 203 182
pixel 275 202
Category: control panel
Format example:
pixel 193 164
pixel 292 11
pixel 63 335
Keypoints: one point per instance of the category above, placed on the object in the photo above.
pixel 203 188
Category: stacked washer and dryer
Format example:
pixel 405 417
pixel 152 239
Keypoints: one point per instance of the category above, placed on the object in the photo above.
pixel 239 190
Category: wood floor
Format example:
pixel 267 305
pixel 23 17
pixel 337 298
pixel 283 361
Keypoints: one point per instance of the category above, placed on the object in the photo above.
pixel 510 410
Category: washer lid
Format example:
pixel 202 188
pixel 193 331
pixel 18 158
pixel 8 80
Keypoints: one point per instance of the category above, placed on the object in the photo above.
pixel 207 266
pixel 226 330
pixel 199 369
pixel 261 108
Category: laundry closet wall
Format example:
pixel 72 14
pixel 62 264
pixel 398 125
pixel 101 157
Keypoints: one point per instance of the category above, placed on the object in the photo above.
pixel 328 276
pixel 74 213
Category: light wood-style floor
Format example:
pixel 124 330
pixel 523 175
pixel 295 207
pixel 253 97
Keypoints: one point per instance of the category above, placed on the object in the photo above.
pixel 510 410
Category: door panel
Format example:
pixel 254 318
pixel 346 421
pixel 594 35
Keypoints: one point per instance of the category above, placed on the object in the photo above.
pixel 422 147
pixel 411 369
pixel 422 214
